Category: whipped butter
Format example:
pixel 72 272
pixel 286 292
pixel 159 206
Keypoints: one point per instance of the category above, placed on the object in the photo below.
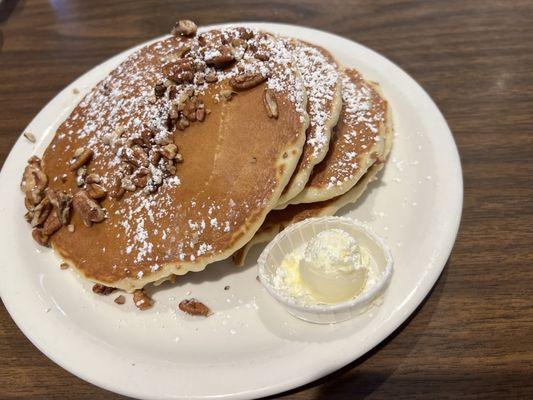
pixel 331 268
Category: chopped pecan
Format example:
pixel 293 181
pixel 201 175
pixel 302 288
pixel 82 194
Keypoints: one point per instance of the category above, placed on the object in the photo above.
pixel 89 210
pixel 39 236
pixel 102 289
pixel 246 81
pixel 142 300
pixel 63 265
pixel 184 27
pixel 29 136
pixel 117 191
pixel 137 156
pixel 271 105
pixel 200 114
pixel 262 56
pixel 80 176
pixel 52 224
pixel 93 178
pixel 180 71
pixel 220 58
pixel 40 213
pixel 211 77
pixel 61 202
pixel 34 181
pixel 127 184
pixel 159 90
pixel 183 123
pixel 194 307
pixel 169 151
pixel 120 300
pixel 80 158
pixel 96 191
pixel 245 33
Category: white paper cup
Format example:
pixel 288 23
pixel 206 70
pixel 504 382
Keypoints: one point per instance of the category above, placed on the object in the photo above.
pixel 302 232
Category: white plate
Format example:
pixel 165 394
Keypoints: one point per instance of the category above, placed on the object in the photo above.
pixel 250 347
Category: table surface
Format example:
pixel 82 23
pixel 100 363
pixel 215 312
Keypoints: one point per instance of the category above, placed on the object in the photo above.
pixel 473 336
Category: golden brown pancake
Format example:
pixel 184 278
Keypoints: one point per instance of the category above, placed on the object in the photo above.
pixel 357 143
pixel 320 74
pixel 361 105
pixel 235 163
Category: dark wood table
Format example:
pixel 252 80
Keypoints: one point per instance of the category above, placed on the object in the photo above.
pixel 473 336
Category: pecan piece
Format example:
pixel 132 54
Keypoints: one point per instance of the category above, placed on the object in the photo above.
pixel 262 56
pixel 89 210
pixel 93 178
pixel 246 81
pixel 142 300
pixel 159 90
pixel 40 213
pixel 220 58
pixel 34 181
pixel 80 158
pixel 39 236
pixel 194 307
pixel 200 114
pixel 96 191
pixel 170 151
pixel 184 27
pixel 52 224
pixel 120 300
pixel 102 289
pixel 61 202
pixel 271 105
pixel 211 77
pixel 117 191
pixel 29 136
pixel 180 71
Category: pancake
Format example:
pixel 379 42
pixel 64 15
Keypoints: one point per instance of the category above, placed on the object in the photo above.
pixel 357 143
pixel 192 138
pixel 277 220
pixel 320 74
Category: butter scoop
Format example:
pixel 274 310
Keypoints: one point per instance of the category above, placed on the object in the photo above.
pixel 334 266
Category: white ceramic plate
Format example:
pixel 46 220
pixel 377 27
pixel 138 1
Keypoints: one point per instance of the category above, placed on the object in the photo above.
pixel 250 347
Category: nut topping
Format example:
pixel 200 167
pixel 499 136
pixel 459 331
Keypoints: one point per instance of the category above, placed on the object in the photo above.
pixel 194 307
pixel 120 300
pixel 29 136
pixel 159 90
pixel 34 181
pixel 170 151
pixel 142 300
pixel 211 77
pixel 96 191
pixel 93 178
pixel 246 81
pixel 52 224
pixel 271 105
pixel 89 210
pixel 102 289
pixel 61 202
pixel 184 27
pixel 39 236
pixel 220 57
pixel 180 71
pixel 81 157
pixel 39 214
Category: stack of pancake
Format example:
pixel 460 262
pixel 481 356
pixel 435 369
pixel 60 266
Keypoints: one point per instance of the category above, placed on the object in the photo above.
pixel 198 146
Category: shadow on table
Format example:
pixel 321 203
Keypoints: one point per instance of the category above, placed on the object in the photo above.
pixel 359 385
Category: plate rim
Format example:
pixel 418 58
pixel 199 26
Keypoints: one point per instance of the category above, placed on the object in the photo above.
pixel 421 293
